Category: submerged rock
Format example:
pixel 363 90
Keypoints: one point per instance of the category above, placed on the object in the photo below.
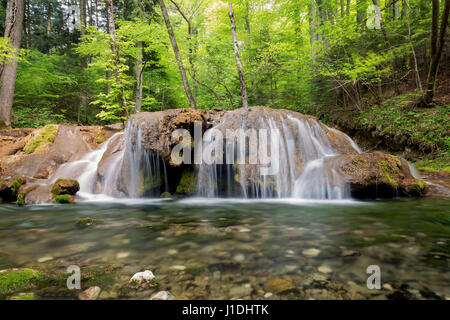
pixel 279 286
pixel 142 277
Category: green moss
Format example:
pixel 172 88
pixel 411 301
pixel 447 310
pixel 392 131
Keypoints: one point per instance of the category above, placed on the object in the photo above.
pixel 62 199
pixel 70 185
pixel 20 199
pixel 155 227
pixel 16 184
pixel 195 271
pixel 187 184
pixel 23 296
pixel 86 222
pixel 385 168
pixel 42 140
pixel 182 220
pixel 418 188
pixel 18 280
pixel 166 195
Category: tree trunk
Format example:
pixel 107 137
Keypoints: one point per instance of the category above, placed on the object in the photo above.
pixel 49 26
pixel 108 72
pixel 139 73
pixel 116 54
pixel 8 72
pixel 437 44
pixel 187 89
pixel 28 23
pixel 238 60
pixel 84 59
pixel 249 48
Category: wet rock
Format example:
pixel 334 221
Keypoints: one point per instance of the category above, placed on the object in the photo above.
pixel 162 295
pixel 87 222
pixel 325 269
pixel 65 187
pixel 241 291
pixel 279 286
pixel 45 259
pixel 268 295
pixel 311 253
pixel 90 294
pixel 376 175
pixel 23 296
pixel 178 268
pixel 9 188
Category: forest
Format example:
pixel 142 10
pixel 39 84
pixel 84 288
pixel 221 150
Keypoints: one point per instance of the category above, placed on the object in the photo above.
pixel 372 68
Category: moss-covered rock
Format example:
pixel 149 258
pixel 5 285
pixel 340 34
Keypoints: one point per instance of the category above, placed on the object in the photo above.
pixel 166 195
pixel 187 184
pixel 376 175
pixel 9 189
pixel 42 140
pixel 21 199
pixel 63 199
pixel 87 222
pixel 18 280
pixel 65 186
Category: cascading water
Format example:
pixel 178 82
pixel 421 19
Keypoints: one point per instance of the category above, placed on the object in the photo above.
pixel 304 144
pixel 130 165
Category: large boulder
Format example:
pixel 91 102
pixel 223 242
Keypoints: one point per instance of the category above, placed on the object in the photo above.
pixel 377 175
pixel 65 186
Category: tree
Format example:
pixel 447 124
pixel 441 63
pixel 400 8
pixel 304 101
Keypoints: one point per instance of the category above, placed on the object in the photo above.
pixel 116 56
pixel 84 59
pixel 437 43
pixel 8 71
pixel 176 51
pixel 238 60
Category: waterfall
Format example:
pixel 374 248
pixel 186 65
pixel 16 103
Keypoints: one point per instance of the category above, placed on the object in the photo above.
pixel 135 164
pixel 304 144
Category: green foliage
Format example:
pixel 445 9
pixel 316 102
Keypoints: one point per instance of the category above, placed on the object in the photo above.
pixel 420 127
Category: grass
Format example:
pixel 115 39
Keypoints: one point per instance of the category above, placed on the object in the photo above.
pixel 18 280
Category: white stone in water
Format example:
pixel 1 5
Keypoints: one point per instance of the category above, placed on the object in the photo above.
pixel 162 295
pixel 325 269
pixel 311 253
pixel 239 257
pixel 123 255
pixel 244 230
pixel 45 259
pixel 268 295
pixel 172 252
pixel 290 252
pixel 179 268
pixel 140 277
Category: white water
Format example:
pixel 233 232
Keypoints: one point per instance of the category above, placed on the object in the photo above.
pixel 302 174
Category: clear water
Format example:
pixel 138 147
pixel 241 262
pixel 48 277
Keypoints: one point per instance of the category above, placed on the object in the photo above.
pixel 232 248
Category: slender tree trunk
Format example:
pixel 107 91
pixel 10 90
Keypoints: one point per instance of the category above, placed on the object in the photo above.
pixel 108 72
pixel 238 60
pixel 84 59
pixel 187 89
pixel 27 26
pixel 249 48
pixel 437 44
pixel 49 26
pixel 116 52
pixel 13 33
pixel 348 8
pixel 312 17
pixel 139 74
